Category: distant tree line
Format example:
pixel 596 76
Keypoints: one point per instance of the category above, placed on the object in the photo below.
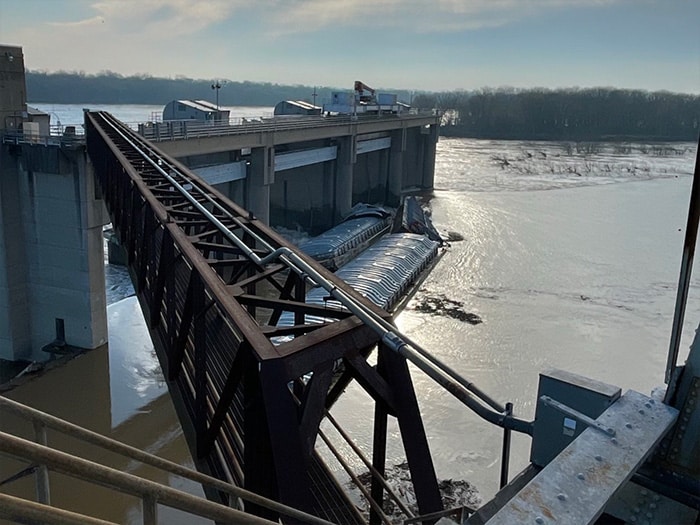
pixel 534 114
pixel 113 88
pixel 568 114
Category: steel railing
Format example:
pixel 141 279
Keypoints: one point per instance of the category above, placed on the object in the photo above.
pixel 464 390
pixel 152 493
pixel 159 131
pixel 19 137
pixel 187 129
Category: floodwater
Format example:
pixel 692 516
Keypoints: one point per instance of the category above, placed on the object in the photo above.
pixel 569 257
pixel 569 260
pixel 117 392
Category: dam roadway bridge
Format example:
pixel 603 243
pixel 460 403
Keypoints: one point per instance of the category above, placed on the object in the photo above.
pixel 307 170
pixel 213 282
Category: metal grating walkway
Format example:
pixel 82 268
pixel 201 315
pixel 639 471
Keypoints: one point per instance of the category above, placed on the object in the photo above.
pixel 213 283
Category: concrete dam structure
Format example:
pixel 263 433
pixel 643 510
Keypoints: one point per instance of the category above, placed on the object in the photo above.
pixel 52 287
pixel 301 171
pixel 307 170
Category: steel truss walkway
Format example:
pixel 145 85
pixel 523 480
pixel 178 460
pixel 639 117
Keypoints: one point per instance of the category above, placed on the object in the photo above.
pixel 213 282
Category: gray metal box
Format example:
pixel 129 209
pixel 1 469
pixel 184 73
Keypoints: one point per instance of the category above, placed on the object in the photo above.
pixel 554 430
pixel 386 99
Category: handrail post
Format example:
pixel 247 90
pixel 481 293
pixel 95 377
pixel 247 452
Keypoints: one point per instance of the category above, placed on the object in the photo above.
pixel 691 235
pixel 43 491
pixel 505 456
pixel 149 507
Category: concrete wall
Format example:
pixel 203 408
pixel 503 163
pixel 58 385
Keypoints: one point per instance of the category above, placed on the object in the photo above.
pixel 12 87
pixel 317 196
pixel 15 318
pixel 51 252
pixel 303 197
pixel 371 177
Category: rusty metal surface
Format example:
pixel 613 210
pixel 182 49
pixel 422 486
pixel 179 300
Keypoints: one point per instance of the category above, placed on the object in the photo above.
pixel 212 292
pixel 575 487
pixel 189 279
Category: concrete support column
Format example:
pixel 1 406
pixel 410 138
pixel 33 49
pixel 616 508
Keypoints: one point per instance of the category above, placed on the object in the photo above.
pixel 15 313
pixel 416 169
pixel 63 225
pixel 396 167
pixel 52 283
pixel 261 175
pixel 345 166
pixel 429 146
pixel 384 172
pixel 94 217
pixel 327 199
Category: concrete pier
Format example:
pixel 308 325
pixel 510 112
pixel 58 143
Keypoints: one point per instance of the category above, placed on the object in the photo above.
pixel 52 287
pixel 52 284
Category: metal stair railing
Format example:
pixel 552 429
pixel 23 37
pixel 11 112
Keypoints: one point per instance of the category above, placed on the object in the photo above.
pixel 25 511
pixel 150 492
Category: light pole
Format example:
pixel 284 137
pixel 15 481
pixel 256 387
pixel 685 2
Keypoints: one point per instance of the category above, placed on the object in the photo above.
pixel 216 87
pixel 314 95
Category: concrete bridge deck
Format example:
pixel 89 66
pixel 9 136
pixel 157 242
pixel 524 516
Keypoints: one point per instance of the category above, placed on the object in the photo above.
pixel 179 137
pixel 307 170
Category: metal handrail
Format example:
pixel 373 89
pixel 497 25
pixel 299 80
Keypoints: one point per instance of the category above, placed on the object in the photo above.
pixel 150 492
pixel 184 129
pixel 461 388
pixel 339 457
pixel 19 137
pixel 373 471
pixel 22 510
pixel 41 418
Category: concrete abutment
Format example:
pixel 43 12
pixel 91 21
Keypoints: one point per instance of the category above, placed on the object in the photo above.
pixel 52 283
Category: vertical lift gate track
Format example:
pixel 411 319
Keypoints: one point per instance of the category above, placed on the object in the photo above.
pixel 212 307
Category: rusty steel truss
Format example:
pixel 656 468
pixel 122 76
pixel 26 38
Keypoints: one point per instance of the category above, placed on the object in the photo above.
pixel 213 282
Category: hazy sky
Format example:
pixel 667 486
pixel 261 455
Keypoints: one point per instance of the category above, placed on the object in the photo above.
pixel 412 44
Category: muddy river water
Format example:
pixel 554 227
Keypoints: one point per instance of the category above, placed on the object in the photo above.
pixel 568 259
